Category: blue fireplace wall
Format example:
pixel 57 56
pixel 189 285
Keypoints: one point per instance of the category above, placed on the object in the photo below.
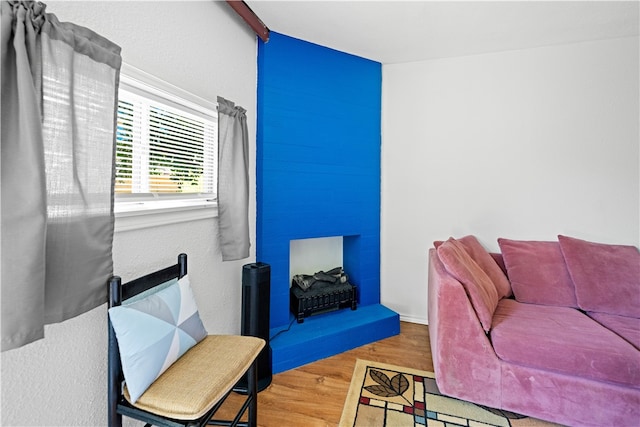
pixel 318 165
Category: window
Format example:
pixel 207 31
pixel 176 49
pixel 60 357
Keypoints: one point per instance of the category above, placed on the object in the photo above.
pixel 166 147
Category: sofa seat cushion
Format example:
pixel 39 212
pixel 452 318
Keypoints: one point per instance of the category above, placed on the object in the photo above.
pixel 627 327
pixel 564 340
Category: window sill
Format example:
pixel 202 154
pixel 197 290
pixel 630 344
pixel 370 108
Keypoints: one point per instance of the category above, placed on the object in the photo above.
pixel 139 215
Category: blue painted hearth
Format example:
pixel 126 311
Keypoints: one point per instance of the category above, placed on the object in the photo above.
pixel 318 175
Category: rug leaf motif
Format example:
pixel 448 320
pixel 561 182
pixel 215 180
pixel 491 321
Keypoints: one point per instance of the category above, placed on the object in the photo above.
pixel 353 413
pixel 387 387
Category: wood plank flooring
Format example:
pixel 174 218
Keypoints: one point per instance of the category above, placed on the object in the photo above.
pixel 313 395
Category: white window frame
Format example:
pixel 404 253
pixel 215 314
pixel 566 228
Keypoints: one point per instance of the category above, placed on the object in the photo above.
pixel 135 211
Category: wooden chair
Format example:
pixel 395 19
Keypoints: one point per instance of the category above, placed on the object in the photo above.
pixel 193 388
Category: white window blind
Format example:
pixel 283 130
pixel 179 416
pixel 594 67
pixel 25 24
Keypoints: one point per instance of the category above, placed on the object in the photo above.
pixel 166 145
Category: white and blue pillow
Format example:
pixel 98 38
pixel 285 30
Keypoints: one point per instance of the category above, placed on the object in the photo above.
pixel 154 332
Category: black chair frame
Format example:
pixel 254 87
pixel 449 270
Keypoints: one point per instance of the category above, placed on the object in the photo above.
pixel 119 406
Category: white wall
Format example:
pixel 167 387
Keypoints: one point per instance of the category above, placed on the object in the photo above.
pixel 523 144
pixel 308 256
pixel 203 48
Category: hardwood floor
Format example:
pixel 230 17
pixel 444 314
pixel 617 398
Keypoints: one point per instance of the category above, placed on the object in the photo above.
pixel 313 395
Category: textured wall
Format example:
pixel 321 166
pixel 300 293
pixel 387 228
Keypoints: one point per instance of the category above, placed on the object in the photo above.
pixel 201 47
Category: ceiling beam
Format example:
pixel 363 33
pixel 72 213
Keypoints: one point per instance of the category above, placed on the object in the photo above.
pixel 245 12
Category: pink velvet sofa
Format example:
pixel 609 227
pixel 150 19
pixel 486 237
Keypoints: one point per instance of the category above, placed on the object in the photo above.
pixel 545 329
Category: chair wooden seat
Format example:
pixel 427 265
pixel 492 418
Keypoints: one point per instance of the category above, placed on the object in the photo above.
pixel 190 387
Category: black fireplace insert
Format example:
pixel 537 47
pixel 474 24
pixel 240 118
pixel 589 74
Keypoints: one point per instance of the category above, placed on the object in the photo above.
pixel 321 297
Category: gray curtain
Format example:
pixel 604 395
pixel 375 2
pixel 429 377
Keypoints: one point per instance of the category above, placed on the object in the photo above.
pixel 59 95
pixel 233 181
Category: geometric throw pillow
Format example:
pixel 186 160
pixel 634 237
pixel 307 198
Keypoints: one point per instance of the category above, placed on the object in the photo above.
pixel 606 277
pixel 154 332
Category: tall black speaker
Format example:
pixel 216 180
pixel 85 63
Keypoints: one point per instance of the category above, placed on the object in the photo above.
pixel 256 296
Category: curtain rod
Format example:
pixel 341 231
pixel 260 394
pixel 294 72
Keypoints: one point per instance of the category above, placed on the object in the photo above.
pixel 250 18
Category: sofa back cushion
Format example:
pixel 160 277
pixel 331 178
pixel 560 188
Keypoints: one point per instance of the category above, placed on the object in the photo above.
pixel 538 273
pixel 488 264
pixel 497 257
pixel 479 287
pixel 606 277
pixel 491 263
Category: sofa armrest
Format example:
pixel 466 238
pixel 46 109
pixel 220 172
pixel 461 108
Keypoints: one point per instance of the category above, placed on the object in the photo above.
pixel 464 361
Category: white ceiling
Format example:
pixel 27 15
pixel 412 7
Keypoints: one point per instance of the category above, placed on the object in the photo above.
pixel 405 31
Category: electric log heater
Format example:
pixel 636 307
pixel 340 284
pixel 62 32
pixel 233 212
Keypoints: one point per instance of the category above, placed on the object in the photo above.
pixel 321 293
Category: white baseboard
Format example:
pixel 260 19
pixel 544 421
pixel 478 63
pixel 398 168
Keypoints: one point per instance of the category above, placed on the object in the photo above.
pixel 412 319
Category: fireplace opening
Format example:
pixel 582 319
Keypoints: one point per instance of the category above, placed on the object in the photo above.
pixel 319 283
pixel 306 256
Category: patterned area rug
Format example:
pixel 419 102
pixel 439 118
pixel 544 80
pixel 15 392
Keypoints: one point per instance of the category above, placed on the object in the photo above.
pixel 384 395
